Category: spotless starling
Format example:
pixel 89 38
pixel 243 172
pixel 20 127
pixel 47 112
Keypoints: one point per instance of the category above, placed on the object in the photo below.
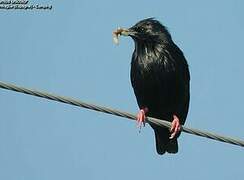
pixel 161 80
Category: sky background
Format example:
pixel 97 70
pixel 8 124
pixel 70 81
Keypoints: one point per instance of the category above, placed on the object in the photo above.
pixel 69 51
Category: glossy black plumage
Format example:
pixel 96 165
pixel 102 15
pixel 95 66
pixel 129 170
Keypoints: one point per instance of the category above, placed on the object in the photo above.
pixel 160 78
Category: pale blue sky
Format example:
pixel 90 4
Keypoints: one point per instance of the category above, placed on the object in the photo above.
pixel 69 51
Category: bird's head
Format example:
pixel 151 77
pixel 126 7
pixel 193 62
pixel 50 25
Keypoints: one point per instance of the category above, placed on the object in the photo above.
pixel 147 30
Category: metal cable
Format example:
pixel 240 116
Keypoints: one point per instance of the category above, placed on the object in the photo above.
pixel 115 112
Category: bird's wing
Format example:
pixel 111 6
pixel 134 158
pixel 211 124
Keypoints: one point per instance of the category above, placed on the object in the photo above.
pixel 171 75
pixel 182 76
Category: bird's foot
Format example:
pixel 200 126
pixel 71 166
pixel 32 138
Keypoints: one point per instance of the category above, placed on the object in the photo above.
pixel 175 127
pixel 141 116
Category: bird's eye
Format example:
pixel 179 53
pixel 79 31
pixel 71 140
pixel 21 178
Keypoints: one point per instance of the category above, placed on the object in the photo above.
pixel 140 29
pixel 143 29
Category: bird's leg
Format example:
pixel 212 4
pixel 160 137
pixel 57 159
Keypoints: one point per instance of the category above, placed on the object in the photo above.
pixel 141 116
pixel 175 127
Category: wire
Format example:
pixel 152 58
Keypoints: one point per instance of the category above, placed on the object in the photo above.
pixel 115 112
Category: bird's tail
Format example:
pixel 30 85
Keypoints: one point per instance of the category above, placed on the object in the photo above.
pixel 163 143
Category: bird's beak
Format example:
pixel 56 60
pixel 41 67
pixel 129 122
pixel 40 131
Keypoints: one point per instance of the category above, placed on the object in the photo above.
pixel 122 32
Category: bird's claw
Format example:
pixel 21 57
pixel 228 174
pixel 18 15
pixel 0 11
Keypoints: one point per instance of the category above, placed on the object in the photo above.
pixel 175 127
pixel 141 117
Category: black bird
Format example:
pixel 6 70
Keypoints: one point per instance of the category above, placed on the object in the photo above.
pixel 161 80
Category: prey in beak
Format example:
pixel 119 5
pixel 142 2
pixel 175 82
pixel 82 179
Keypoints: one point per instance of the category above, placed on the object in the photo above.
pixel 121 32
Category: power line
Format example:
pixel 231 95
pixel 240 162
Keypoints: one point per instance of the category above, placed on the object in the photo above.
pixel 115 112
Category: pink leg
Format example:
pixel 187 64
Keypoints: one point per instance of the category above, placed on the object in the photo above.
pixel 141 116
pixel 175 126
